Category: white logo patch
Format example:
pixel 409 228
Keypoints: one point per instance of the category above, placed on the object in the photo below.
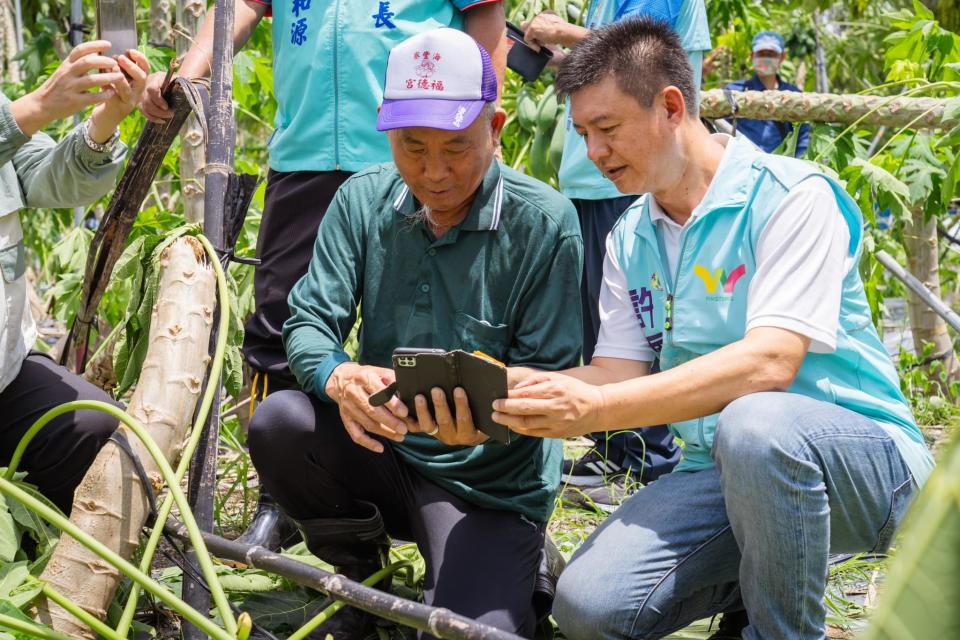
pixel 458 119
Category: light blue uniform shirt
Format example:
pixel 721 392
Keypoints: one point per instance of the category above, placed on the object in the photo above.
pixel 579 177
pixel 683 317
pixel 330 61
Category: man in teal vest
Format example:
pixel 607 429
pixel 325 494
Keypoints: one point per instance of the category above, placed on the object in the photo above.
pixel 739 269
pixel 330 58
pixel 643 454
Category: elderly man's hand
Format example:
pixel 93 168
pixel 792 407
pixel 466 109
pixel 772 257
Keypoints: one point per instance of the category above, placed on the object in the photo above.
pixel 446 428
pixel 551 405
pixel 350 386
pixel 547 29
pixel 154 107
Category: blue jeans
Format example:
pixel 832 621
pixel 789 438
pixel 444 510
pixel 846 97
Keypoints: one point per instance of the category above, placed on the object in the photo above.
pixel 796 479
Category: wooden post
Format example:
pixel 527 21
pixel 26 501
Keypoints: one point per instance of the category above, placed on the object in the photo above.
pixel 221 127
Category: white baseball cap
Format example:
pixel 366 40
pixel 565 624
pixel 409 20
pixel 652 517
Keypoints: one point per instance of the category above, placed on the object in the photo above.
pixel 440 79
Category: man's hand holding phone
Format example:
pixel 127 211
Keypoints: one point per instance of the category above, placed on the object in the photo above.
pixel 454 430
pixel 350 386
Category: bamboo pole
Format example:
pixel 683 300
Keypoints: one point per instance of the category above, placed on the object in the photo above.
pixel 917 288
pixel 110 503
pixel 439 622
pixel 791 106
pixel 218 170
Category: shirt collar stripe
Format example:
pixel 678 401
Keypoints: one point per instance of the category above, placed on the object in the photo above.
pixel 497 205
pixel 400 199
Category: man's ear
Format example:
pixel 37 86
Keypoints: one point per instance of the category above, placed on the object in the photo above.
pixel 674 103
pixel 496 123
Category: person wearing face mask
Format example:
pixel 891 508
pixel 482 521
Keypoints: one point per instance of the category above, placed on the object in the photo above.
pixel 767 58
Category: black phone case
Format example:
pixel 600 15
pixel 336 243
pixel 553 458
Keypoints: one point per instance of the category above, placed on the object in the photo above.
pixel 522 58
pixel 419 371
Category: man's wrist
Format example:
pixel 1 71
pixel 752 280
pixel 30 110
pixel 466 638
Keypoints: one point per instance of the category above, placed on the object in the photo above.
pixel 570 35
pixel 332 386
pixel 28 113
pixel 93 141
pixel 103 125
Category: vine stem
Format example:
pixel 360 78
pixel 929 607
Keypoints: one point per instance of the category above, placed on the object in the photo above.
pixel 80 613
pixel 58 520
pixel 33 630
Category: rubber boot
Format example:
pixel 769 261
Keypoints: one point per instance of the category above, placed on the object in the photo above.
pixel 270 528
pixel 357 547
pixel 545 587
pixel 731 626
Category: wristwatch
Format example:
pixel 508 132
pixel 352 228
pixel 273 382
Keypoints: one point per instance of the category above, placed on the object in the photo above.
pixel 101 147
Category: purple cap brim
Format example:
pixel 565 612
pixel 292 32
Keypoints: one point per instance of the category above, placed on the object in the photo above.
pixel 450 115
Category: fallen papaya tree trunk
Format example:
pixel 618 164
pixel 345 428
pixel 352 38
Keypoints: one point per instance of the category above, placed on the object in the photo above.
pixel 793 106
pixel 110 504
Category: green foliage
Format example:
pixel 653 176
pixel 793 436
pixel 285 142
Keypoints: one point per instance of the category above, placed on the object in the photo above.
pixel 921 592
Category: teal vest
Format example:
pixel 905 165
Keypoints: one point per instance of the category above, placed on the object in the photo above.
pixel 702 307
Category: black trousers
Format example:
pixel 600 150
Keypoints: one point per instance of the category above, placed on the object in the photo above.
pixel 650 452
pixel 294 205
pixel 480 563
pixel 60 454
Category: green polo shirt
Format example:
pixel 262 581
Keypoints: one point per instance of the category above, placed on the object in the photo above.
pixel 505 281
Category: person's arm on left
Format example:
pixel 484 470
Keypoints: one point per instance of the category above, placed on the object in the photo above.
pixel 486 22
pixel 801 256
pixel 74 172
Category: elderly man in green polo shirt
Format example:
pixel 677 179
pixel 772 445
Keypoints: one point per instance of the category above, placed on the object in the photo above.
pixel 444 248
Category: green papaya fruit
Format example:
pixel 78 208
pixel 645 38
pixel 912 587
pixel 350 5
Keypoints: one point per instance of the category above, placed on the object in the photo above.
pixel 557 139
pixel 539 159
pixel 526 109
pixel 547 109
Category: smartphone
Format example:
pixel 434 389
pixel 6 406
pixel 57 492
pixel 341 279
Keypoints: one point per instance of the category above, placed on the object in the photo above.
pixel 117 22
pixel 522 58
pixel 418 371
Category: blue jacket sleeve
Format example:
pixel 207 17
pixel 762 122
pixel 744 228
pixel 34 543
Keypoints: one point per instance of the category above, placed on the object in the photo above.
pixel 666 10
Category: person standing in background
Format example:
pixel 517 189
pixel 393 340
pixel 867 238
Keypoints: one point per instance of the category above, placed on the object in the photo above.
pixel 767 58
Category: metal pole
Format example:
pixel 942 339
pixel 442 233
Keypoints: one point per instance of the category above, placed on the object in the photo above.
pixel 938 306
pixel 18 17
pixel 823 83
pixel 221 127
pixel 76 37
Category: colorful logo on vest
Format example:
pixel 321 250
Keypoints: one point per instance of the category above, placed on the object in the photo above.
pixel 713 280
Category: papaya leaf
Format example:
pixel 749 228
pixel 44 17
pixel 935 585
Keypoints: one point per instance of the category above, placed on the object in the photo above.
pixel 919 599
pixel 880 180
pixel 141 261
pixel 17 586
pixel 9 536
